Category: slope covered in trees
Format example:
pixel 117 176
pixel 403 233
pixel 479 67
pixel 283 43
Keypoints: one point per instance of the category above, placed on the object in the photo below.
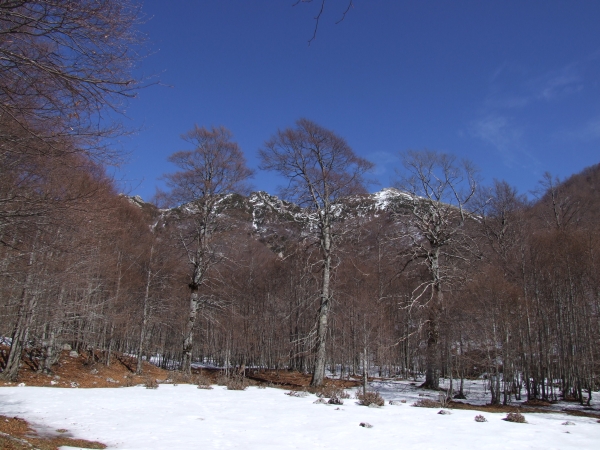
pixel 520 303
pixel 442 277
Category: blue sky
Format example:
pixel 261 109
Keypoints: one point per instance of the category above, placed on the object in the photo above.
pixel 514 86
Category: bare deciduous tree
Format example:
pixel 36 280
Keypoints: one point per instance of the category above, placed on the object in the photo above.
pixel 64 62
pixel 440 189
pixel 215 168
pixel 321 169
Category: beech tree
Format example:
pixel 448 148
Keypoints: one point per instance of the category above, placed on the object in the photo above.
pixel 64 62
pixel 440 189
pixel 321 169
pixel 215 168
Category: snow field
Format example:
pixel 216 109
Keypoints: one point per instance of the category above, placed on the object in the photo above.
pixel 184 417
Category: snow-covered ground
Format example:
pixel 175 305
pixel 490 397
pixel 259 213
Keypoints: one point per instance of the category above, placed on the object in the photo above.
pixel 184 417
pixel 476 391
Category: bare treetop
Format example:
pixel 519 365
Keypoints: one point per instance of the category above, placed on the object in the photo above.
pixel 320 166
pixel 215 167
pixel 438 177
pixel 64 62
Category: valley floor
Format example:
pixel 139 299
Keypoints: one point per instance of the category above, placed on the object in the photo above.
pixel 184 417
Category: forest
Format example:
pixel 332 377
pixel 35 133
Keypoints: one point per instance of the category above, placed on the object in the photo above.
pixel 438 276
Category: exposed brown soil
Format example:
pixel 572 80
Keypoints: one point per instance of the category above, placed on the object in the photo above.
pixel 532 407
pixel 16 434
pixel 294 380
pixel 86 372
pixel 537 402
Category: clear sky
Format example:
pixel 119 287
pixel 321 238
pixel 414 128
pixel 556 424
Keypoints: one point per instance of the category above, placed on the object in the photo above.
pixel 513 86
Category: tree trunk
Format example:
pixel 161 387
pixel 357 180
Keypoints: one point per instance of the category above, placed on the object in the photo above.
pixel 432 372
pixel 145 315
pixel 319 371
pixel 21 329
pixel 365 371
pixel 188 339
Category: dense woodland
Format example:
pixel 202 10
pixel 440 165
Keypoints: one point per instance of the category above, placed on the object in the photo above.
pixel 442 277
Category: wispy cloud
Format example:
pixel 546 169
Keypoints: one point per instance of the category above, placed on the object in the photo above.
pixel 498 132
pixel 559 84
pixel 507 138
pixel 590 131
pixel 511 88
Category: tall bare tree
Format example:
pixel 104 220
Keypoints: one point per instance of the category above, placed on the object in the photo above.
pixel 215 168
pixel 439 189
pixel 321 169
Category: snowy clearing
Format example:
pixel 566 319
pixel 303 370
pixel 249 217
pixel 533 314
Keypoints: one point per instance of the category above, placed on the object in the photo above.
pixel 184 417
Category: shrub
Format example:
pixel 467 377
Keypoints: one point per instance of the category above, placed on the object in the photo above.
pixel 426 403
pixel 331 392
pixel 516 417
pixel 236 383
pixel 370 398
pixel 480 418
pixel 203 382
pixel 297 393
pixel 151 383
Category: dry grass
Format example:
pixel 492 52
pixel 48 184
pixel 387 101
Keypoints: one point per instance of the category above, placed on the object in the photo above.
pixel 16 434
pixel 291 379
pixel 85 372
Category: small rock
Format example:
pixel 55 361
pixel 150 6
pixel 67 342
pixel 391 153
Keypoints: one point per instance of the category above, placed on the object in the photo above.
pixel 568 422
pixel 444 412
pixel 67 347
pixel 366 425
pixel 73 354
pixel 395 402
pixel 94 371
pixel 21 384
pixel 320 401
pixel 74 384
pixel 53 382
